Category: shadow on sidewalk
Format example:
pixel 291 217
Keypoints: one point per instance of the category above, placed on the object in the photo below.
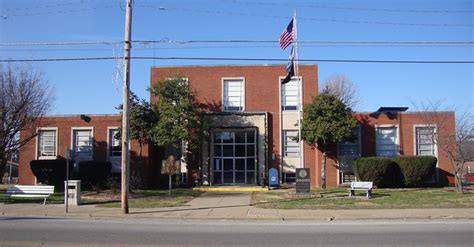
pixel 189 209
pixel 29 218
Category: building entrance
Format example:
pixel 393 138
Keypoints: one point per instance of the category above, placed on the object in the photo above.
pixel 234 157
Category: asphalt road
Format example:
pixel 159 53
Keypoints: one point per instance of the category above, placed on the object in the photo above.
pixel 22 231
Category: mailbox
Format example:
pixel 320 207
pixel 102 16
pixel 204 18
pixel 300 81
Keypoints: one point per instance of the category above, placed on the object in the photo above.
pixel 273 180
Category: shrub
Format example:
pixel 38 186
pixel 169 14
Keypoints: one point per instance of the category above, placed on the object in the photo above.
pixel 416 169
pixel 383 172
pixel 51 172
pixel 94 173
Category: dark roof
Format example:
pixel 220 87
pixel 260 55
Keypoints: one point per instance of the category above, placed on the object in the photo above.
pixel 392 109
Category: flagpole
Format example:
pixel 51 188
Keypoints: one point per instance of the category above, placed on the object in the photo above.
pixel 300 85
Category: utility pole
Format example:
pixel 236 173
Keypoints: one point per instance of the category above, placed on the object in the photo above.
pixel 125 111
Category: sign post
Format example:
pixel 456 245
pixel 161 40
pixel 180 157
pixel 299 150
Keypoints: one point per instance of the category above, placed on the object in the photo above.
pixel 303 180
pixel 170 167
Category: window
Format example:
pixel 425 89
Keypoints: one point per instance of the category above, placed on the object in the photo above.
pixel 115 148
pixel 234 157
pixel 290 95
pixel 425 144
pixel 233 95
pixel 47 144
pixel 82 143
pixel 291 146
pixel 348 151
pixel 387 141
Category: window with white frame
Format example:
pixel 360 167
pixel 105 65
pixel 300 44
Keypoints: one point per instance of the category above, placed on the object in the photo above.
pixel 291 145
pixel 290 95
pixel 233 94
pixel 115 148
pixel 82 145
pixel 386 140
pixel 47 144
pixel 425 144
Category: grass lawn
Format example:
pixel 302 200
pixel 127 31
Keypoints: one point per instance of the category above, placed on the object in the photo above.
pixel 142 198
pixel 107 198
pixel 382 199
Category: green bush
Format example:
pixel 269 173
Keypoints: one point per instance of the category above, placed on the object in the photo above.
pixel 407 171
pixel 51 172
pixel 93 172
pixel 416 169
pixel 383 172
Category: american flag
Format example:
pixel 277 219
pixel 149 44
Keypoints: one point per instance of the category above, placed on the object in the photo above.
pixel 287 36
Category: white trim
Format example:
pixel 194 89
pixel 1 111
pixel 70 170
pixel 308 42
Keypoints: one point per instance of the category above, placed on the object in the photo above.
pixel 91 128
pixel 109 128
pixel 434 140
pixel 55 144
pixel 300 96
pixel 223 79
pixel 377 126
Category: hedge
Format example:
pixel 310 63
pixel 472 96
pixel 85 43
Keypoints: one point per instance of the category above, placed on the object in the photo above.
pixel 383 172
pixel 409 171
pixel 416 169
pixel 94 172
pixel 51 172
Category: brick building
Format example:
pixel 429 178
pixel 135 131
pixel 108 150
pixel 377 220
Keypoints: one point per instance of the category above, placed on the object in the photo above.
pixel 249 124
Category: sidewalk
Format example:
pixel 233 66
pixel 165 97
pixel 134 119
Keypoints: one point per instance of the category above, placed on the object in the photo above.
pixel 230 206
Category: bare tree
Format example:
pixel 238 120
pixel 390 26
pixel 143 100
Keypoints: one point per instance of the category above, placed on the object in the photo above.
pixel 343 88
pixel 455 145
pixel 24 98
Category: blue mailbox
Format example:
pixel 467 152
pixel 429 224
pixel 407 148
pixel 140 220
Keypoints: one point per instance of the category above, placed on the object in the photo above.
pixel 273 180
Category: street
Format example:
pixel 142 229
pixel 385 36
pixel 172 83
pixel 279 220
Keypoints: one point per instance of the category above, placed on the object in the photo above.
pixel 32 231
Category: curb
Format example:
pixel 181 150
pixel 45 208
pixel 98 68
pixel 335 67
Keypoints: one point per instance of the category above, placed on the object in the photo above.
pixel 231 189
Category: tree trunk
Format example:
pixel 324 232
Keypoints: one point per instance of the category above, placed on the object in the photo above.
pixel 323 171
pixel 457 177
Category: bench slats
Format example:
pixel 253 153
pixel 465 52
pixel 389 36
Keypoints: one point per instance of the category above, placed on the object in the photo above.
pixel 30 191
pixel 366 186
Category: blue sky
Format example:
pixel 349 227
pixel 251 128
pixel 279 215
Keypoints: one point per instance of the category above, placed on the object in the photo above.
pixel 91 86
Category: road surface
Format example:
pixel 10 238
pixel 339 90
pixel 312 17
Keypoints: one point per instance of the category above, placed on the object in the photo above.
pixel 31 231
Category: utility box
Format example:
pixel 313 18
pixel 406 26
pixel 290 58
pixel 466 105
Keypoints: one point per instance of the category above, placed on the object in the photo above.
pixel 73 191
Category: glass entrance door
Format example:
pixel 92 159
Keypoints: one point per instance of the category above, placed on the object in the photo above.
pixel 234 157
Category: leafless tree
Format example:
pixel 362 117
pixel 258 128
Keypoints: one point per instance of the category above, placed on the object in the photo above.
pixel 343 88
pixel 456 146
pixel 24 98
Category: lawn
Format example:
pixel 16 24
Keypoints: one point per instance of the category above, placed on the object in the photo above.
pixel 382 199
pixel 142 198
pixel 107 198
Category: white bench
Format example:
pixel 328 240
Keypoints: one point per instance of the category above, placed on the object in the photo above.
pixel 30 191
pixel 367 186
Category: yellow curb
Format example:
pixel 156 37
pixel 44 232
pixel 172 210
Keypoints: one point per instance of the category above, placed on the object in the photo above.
pixel 231 189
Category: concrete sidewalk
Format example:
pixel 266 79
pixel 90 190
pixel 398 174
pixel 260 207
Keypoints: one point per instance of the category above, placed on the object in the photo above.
pixel 231 206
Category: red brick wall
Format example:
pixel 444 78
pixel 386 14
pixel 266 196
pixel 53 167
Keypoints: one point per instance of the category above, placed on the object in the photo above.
pixel 405 122
pixel 64 125
pixel 261 92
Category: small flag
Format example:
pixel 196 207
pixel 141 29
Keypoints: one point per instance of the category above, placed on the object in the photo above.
pixel 290 68
pixel 287 36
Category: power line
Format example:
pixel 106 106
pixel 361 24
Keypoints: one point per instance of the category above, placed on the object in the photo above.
pixel 319 6
pixel 183 42
pixel 161 8
pixel 50 12
pixel 308 42
pixel 62 43
pixel 242 59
